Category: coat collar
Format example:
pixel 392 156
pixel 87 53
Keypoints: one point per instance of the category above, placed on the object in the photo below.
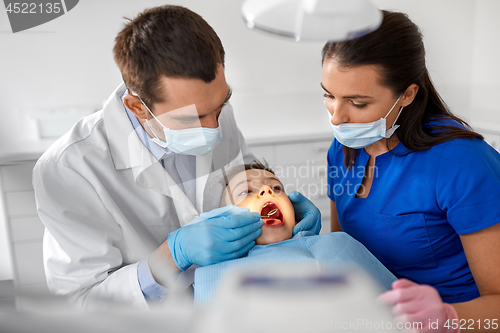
pixel 124 145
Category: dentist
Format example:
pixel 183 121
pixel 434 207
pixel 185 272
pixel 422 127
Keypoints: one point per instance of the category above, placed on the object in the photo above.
pixel 114 192
pixel 427 187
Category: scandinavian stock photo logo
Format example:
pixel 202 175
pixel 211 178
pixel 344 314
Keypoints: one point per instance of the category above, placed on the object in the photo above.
pixel 24 15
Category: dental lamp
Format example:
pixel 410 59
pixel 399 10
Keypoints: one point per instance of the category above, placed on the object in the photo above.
pixel 313 20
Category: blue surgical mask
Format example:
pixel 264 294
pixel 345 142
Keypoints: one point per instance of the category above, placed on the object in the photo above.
pixel 359 135
pixel 196 141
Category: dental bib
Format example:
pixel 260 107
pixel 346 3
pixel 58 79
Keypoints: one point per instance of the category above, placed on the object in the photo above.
pixel 336 249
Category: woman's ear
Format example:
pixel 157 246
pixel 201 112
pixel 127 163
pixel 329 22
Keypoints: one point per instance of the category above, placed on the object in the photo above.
pixel 134 104
pixel 409 95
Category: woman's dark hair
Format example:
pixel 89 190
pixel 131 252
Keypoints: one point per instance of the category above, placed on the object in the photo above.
pixel 398 50
pixel 169 41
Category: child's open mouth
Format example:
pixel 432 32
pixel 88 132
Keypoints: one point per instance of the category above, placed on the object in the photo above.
pixel 271 215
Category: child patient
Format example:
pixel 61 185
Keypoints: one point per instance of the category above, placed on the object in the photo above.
pixel 258 189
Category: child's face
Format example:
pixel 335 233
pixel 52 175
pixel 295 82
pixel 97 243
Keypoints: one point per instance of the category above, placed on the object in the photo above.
pixel 262 192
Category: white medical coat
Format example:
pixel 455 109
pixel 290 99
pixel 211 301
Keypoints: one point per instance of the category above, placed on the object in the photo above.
pixel 107 203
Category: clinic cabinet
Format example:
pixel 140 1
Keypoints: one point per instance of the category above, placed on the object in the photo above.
pixel 23 226
pixel 301 166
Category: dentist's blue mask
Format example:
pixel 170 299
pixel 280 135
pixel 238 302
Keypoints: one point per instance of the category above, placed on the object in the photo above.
pixel 196 141
pixel 359 135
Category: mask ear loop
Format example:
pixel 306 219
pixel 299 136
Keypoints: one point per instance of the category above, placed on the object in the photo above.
pixel 393 107
pixel 147 122
pixel 397 117
pixel 394 127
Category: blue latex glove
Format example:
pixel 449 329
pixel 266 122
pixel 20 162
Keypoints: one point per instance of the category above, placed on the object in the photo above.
pixel 216 236
pixel 306 213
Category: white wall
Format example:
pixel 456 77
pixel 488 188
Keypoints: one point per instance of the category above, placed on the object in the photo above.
pixel 448 30
pixel 486 64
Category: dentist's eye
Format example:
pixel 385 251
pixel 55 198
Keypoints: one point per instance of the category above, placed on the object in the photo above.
pixel 328 96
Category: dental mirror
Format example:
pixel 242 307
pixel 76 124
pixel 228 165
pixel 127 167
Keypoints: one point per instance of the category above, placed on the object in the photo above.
pixel 313 20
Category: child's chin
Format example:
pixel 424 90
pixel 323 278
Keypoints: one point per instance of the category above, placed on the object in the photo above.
pixel 270 239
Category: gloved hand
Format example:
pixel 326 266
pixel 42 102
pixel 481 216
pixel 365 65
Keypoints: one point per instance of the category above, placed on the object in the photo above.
pixel 216 239
pixel 306 213
pixel 412 302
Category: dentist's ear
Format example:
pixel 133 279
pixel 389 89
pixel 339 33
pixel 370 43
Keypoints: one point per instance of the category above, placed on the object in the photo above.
pixel 409 95
pixel 134 104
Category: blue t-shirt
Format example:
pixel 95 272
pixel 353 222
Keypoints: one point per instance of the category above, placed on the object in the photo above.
pixel 417 207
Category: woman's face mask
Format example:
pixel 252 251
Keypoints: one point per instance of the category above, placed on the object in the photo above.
pixel 359 135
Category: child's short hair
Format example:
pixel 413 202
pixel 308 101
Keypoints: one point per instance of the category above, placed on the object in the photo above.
pixel 255 165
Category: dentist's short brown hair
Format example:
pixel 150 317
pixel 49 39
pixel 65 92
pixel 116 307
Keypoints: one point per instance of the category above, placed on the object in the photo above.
pixel 169 41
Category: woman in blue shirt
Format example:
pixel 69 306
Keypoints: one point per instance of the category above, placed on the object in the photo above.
pixel 411 181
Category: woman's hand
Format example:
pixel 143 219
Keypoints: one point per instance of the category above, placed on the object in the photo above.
pixel 415 303
pixel 307 215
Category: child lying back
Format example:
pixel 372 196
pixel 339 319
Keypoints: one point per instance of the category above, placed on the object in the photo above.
pixel 258 189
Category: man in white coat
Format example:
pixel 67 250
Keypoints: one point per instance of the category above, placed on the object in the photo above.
pixel 114 192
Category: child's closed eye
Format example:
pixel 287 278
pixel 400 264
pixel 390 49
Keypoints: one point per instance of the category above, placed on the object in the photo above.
pixel 245 192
